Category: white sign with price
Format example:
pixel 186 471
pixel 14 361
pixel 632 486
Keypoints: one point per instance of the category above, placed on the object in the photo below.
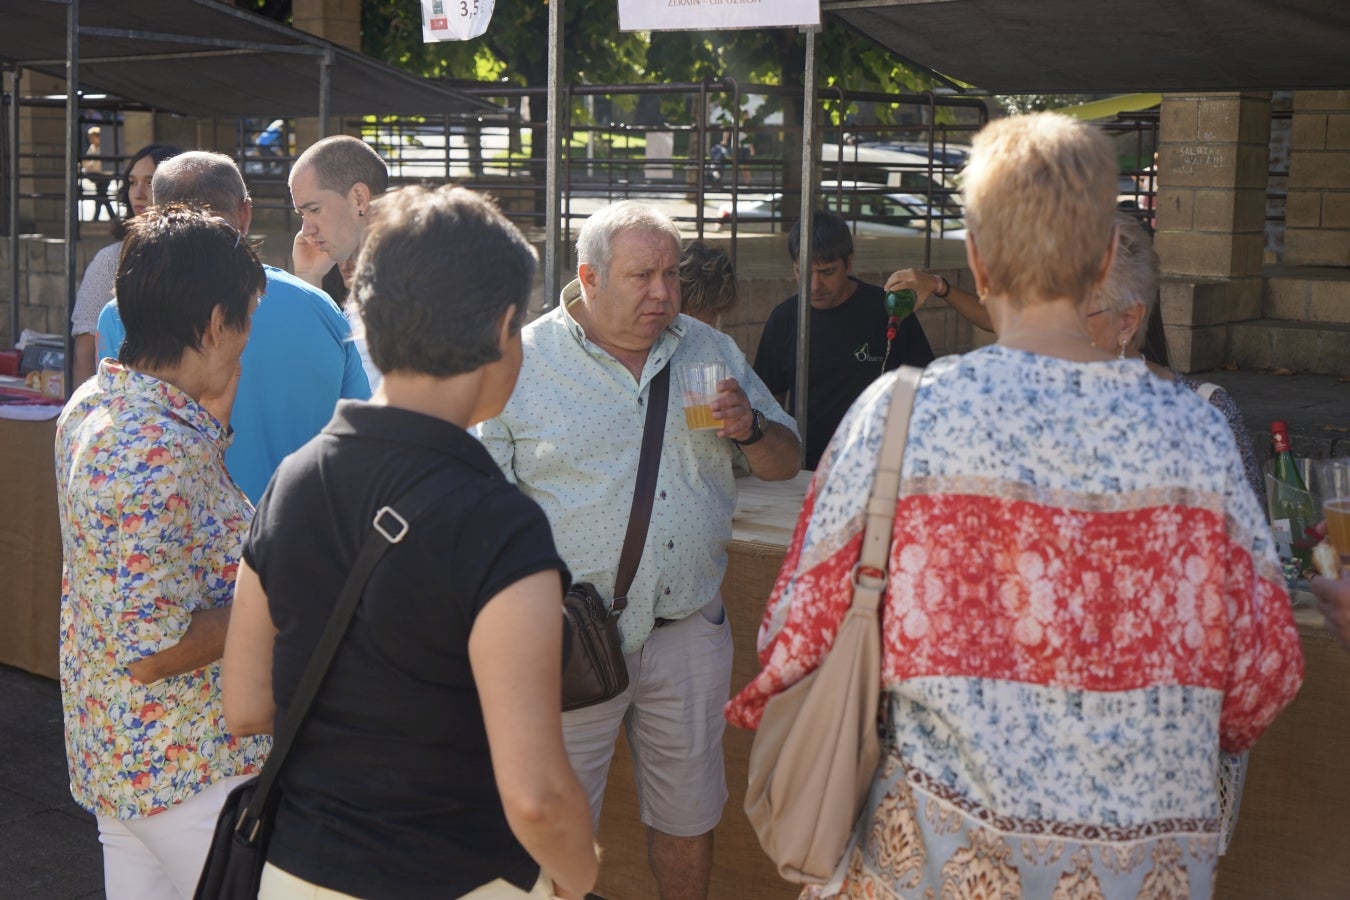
pixel 454 20
pixel 712 15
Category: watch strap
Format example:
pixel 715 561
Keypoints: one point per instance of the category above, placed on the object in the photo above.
pixel 757 429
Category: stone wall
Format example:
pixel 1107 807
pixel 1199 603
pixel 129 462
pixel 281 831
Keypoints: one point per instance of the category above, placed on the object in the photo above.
pixel 1212 173
pixel 1317 226
pixel 1222 301
pixel 42 277
pixel 42 283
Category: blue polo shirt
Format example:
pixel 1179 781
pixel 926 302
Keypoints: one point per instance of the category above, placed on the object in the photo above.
pixel 299 361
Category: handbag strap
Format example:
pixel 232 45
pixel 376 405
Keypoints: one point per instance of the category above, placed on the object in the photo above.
pixel 645 489
pixel 387 528
pixel 869 575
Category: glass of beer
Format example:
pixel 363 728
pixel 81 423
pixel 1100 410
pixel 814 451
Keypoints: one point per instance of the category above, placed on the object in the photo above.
pixel 697 384
pixel 1333 484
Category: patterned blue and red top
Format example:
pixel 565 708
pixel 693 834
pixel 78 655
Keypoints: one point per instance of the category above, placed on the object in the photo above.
pixel 151 530
pixel 1084 605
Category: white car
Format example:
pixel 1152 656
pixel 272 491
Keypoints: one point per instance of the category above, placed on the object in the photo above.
pixel 869 208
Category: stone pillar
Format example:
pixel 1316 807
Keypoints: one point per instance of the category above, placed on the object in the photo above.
pixel 338 21
pixel 1317 221
pixel 1212 172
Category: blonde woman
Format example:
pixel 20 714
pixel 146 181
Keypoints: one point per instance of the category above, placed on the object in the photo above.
pixel 1076 602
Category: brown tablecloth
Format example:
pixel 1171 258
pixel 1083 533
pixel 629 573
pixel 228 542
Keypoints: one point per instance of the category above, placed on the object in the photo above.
pixel 30 547
pixel 741 871
pixel 1293 833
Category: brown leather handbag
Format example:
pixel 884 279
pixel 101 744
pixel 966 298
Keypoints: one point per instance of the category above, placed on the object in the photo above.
pixel 594 669
pixel 816 750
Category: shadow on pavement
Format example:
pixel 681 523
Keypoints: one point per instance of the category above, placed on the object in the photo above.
pixel 49 847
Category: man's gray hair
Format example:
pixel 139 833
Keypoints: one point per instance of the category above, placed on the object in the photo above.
pixel 201 178
pixel 595 242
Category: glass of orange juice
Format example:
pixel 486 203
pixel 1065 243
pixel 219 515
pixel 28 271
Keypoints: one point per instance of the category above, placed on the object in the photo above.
pixel 697 384
pixel 1333 484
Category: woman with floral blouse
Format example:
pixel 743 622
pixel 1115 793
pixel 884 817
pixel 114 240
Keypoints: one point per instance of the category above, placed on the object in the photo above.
pixel 151 526
pixel 1083 605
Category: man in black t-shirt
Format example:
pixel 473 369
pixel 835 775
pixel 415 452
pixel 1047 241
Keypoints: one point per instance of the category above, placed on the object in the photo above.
pixel 849 343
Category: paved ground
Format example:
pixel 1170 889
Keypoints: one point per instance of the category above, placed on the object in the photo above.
pixel 49 847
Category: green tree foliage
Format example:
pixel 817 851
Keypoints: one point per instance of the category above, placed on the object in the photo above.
pixel 595 51
pixel 1016 104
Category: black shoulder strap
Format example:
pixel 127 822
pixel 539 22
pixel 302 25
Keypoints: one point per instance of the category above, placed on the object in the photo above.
pixel 388 528
pixel 649 463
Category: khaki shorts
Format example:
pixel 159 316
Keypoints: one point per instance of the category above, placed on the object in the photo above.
pixel 672 716
pixel 278 884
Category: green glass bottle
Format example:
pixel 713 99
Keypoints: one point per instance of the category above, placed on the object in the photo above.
pixel 1291 506
pixel 900 303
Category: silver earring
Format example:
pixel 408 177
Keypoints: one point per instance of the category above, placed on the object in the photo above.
pixel 1123 342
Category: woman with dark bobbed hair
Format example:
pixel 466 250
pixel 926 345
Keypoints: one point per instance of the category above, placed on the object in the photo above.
pixel 431 763
pixel 151 525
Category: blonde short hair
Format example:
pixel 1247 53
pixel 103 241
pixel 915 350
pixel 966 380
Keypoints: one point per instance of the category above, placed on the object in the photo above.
pixel 1040 193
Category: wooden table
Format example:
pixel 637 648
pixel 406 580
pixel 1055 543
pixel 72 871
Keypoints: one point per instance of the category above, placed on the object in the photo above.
pixel 30 547
pixel 1293 835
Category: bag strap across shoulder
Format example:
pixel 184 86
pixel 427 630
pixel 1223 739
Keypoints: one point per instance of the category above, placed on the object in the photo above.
pixel 869 575
pixel 390 525
pixel 649 463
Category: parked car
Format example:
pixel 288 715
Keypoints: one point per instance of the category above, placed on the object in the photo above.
pixel 910 173
pixel 870 208
pixel 950 156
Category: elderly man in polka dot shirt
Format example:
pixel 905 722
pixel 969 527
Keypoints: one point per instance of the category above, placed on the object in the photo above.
pixel 571 437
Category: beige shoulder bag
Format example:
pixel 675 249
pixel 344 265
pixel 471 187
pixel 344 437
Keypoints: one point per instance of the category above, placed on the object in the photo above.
pixel 816 749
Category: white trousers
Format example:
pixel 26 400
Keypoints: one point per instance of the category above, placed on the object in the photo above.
pixel 160 857
pixel 278 884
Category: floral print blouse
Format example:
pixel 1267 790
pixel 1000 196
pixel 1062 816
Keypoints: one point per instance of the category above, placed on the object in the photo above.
pixel 151 530
pixel 1084 607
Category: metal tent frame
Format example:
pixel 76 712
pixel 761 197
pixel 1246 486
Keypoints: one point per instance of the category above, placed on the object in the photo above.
pixel 1012 46
pixel 169 56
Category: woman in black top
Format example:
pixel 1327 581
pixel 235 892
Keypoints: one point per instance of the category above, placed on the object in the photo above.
pixel 431 763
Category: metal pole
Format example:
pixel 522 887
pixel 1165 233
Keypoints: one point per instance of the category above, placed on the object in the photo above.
pixel 735 151
pixel 72 175
pixel 804 255
pixel 325 73
pixel 552 162
pixel 701 135
pixel 14 81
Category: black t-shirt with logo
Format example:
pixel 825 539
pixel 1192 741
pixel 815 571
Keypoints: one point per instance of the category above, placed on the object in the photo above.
pixel 389 791
pixel 848 351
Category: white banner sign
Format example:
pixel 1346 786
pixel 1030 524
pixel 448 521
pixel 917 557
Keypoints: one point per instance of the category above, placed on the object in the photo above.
pixel 454 20
pixel 713 15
